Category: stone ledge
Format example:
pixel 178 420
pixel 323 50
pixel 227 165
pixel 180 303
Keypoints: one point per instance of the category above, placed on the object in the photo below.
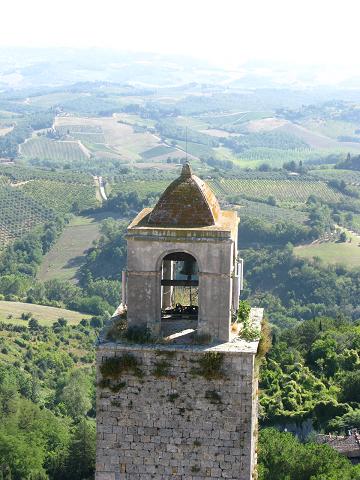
pixel 236 345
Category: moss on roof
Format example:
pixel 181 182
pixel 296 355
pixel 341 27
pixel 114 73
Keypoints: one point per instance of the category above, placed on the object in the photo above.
pixel 187 202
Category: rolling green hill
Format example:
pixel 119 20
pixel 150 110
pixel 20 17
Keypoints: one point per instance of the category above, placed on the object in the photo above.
pixel 10 313
pixel 334 252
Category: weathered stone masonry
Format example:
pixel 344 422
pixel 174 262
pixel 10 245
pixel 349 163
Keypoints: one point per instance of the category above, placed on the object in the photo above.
pixel 180 425
pixel 178 410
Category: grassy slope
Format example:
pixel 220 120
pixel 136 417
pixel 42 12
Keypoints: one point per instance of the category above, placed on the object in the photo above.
pixel 45 315
pixel 331 128
pixel 66 256
pixel 347 254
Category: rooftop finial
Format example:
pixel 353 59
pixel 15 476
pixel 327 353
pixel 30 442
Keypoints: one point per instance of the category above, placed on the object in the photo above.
pixel 186 170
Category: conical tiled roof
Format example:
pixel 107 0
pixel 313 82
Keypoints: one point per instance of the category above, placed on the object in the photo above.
pixel 187 202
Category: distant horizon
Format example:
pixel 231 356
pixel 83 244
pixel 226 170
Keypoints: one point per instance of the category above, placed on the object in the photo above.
pixel 84 63
pixel 226 33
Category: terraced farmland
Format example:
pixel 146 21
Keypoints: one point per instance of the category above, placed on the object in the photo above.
pixel 275 156
pixel 19 214
pixel 157 151
pixel 251 185
pixel 142 187
pixel 61 196
pixel 349 176
pixel 30 197
pixel 230 119
pixel 16 174
pixel 59 151
pixel 285 191
pixel 270 213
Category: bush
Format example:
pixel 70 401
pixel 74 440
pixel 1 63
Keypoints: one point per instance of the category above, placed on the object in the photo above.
pixel 114 367
pixel 34 324
pixel 343 237
pixel 345 422
pixel 265 339
pixel 96 322
pixel 351 387
pixel 243 311
pixel 62 321
pixel 210 366
pixel 94 305
pixel 283 457
pixel 138 334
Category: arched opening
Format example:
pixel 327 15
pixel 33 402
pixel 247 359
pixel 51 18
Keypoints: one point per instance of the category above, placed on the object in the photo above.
pixel 180 289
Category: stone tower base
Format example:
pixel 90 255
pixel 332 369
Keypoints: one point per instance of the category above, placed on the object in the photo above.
pixel 177 412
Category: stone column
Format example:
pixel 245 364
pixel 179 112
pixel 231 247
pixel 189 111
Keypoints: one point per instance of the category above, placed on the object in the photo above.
pixel 167 292
pixel 143 300
pixel 123 287
pixel 215 305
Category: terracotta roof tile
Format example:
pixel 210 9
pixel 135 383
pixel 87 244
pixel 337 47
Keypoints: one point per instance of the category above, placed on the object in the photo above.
pixel 187 202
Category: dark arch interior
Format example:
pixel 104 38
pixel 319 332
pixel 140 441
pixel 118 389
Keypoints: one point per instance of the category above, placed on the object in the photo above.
pixel 179 287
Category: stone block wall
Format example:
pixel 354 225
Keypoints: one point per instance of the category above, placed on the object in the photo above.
pixel 165 420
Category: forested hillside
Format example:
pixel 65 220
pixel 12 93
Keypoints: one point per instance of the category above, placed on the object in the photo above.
pixel 47 397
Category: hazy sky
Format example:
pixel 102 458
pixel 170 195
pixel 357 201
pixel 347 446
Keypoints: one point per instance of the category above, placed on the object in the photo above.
pixel 223 31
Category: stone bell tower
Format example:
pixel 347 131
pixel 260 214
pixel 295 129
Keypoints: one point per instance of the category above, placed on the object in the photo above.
pixel 182 404
pixel 185 225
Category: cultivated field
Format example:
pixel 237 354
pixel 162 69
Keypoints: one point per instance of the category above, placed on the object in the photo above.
pixel 142 187
pixel 67 255
pixel 58 151
pixel 10 312
pixel 51 99
pixel 350 177
pixel 331 128
pixel 268 212
pixel 131 139
pixel 61 196
pixel 18 174
pixel 252 185
pixel 121 139
pixel 318 140
pixel 133 119
pixel 265 124
pixel 31 197
pixel 284 191
pixel 317 134
pixel 231 120
pixel 217 133
pixel 19 214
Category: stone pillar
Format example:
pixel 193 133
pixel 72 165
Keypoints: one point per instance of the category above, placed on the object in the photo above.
pixel 215 294
pixel 123 287
pixel 143 296
pixel 167 292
